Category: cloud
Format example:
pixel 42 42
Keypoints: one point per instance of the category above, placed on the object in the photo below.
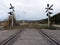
pixel 35 9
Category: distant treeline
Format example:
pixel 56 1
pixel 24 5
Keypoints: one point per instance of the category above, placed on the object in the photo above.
pixel 54 19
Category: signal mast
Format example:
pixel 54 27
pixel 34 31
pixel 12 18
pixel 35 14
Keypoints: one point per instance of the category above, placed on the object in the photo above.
pixel 11 14
pixel 48 13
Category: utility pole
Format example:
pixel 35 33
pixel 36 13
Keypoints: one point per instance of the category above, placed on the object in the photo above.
pixel 48 13
pixel 23 17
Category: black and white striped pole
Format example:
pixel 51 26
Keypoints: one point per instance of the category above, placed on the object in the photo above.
pixel 48 13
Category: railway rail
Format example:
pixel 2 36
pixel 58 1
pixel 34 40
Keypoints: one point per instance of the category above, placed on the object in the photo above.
pixel 51 40
pixel 11 39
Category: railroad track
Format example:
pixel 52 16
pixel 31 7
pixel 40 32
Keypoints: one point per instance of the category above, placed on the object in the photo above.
pixel 11 39
pixel 51 40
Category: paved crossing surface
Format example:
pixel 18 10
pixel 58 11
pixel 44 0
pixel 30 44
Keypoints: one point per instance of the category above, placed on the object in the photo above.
pixel 31 37
pixel 53 33
pixel 6 33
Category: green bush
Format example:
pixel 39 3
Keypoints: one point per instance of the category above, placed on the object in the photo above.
pixel 52 27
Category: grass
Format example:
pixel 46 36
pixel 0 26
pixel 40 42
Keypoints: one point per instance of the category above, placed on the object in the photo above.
pixel 32 25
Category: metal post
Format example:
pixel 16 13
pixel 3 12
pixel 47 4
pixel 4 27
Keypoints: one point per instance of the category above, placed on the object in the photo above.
pixel 23 18
pixel 12 20
pixel 48 20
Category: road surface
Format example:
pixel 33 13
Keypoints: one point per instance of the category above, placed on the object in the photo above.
pixel 30 36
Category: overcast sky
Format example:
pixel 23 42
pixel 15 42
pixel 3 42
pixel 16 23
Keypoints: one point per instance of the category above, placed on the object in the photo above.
pixel 28 9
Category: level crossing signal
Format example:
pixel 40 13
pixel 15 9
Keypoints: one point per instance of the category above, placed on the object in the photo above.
pixel 48 8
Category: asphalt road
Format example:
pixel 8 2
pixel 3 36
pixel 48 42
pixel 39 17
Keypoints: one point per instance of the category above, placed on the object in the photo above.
pixel 5 34
pixel 31 37
pixel 53 33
